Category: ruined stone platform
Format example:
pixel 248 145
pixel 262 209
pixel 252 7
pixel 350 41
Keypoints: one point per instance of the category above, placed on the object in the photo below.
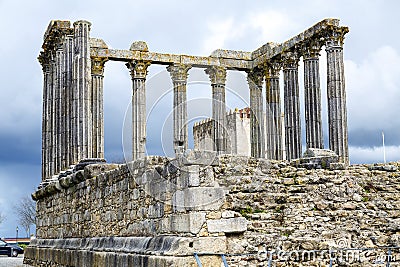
pixel 160 211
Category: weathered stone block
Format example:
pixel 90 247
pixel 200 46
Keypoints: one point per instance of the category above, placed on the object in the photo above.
pixel 93 170
pixel 206 176
pixel 198 198
pixel 196 157
pixel 155 185
pixel 337 166
pixel 317 152
pixel 228 214
pixel 210 244
pixel 314 158
pixel 185 223
pixel 192 174
pixel 156 211
pixel 231 225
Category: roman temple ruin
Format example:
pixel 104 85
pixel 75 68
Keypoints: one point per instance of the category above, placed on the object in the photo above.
pixel 73 66
pixel 212 207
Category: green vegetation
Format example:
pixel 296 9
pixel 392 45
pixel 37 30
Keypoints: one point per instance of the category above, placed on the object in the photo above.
pixel 246 212
pixel 365 199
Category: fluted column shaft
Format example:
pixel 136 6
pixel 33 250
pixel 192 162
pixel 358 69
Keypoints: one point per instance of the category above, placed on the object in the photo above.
pixel 218 77
pixel 67 100
pixel 97 65
pixel 45 62
pixel 257 140
pixel 292 106
pixel 179 74
pixel 82 91
pixel 274 147
pixel 58 108
pixel 138 71
pixel 52 118
pixel 312 98
pixel 337 110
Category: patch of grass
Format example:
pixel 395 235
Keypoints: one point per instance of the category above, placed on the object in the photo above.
pixel 257 211
pixel 286 233
pixel 246 212
pixel 279 209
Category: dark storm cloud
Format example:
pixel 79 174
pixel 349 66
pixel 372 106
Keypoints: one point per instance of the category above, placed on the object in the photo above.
pixel 20 147
pixel 372 138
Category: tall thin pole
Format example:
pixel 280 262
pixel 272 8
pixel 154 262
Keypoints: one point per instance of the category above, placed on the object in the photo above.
pixel 384 150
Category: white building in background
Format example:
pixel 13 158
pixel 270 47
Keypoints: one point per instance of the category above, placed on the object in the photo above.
pixel 238 133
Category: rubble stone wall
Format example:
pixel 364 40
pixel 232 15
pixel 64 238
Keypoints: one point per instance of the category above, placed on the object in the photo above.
pixel 159 211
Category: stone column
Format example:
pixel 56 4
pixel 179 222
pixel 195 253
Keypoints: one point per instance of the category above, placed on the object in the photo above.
pixel 312 96
pixel 97 106
pixel 51 108
pixel 67 99
pixel 257 140
pixel 58 108
pixel 45 62
pixel 274 148
pixel 82 91
pixel 179 74
pixel 337 111
pixel 218 77
pixel 292 105
pixel 138 71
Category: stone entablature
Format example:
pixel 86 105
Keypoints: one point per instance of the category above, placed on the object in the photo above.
pixel 73 66
pixel 160 210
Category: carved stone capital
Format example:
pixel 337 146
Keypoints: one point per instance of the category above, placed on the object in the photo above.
pixel 272 69
pixel 45 61
pixel 311 49
pixel 138 68
pixel 255 76
pixel 179 72
pixel 290 60
pixel 98 65
pixel 335 37
pixel 217 74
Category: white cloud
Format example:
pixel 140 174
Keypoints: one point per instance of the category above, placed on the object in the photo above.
pixel 263 26
pixel 373 90
pixel 273 26
pixel 220 32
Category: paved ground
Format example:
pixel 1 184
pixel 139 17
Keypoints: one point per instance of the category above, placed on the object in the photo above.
pixel 12 262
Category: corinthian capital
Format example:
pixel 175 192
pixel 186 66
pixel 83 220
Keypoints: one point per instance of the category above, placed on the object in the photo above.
pixel 335 36
pixel 98 65
pixel 45 61
pixel 272 68
pixel 179 72
pixel 290 60
pixel 312 48
pixel 217 74
pixel 138 68
pixel 255 76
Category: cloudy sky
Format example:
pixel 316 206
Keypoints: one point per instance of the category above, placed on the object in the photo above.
pixel 371 52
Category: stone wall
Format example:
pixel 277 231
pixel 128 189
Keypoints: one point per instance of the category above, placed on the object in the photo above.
pixel 237 133
pixel 159 211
